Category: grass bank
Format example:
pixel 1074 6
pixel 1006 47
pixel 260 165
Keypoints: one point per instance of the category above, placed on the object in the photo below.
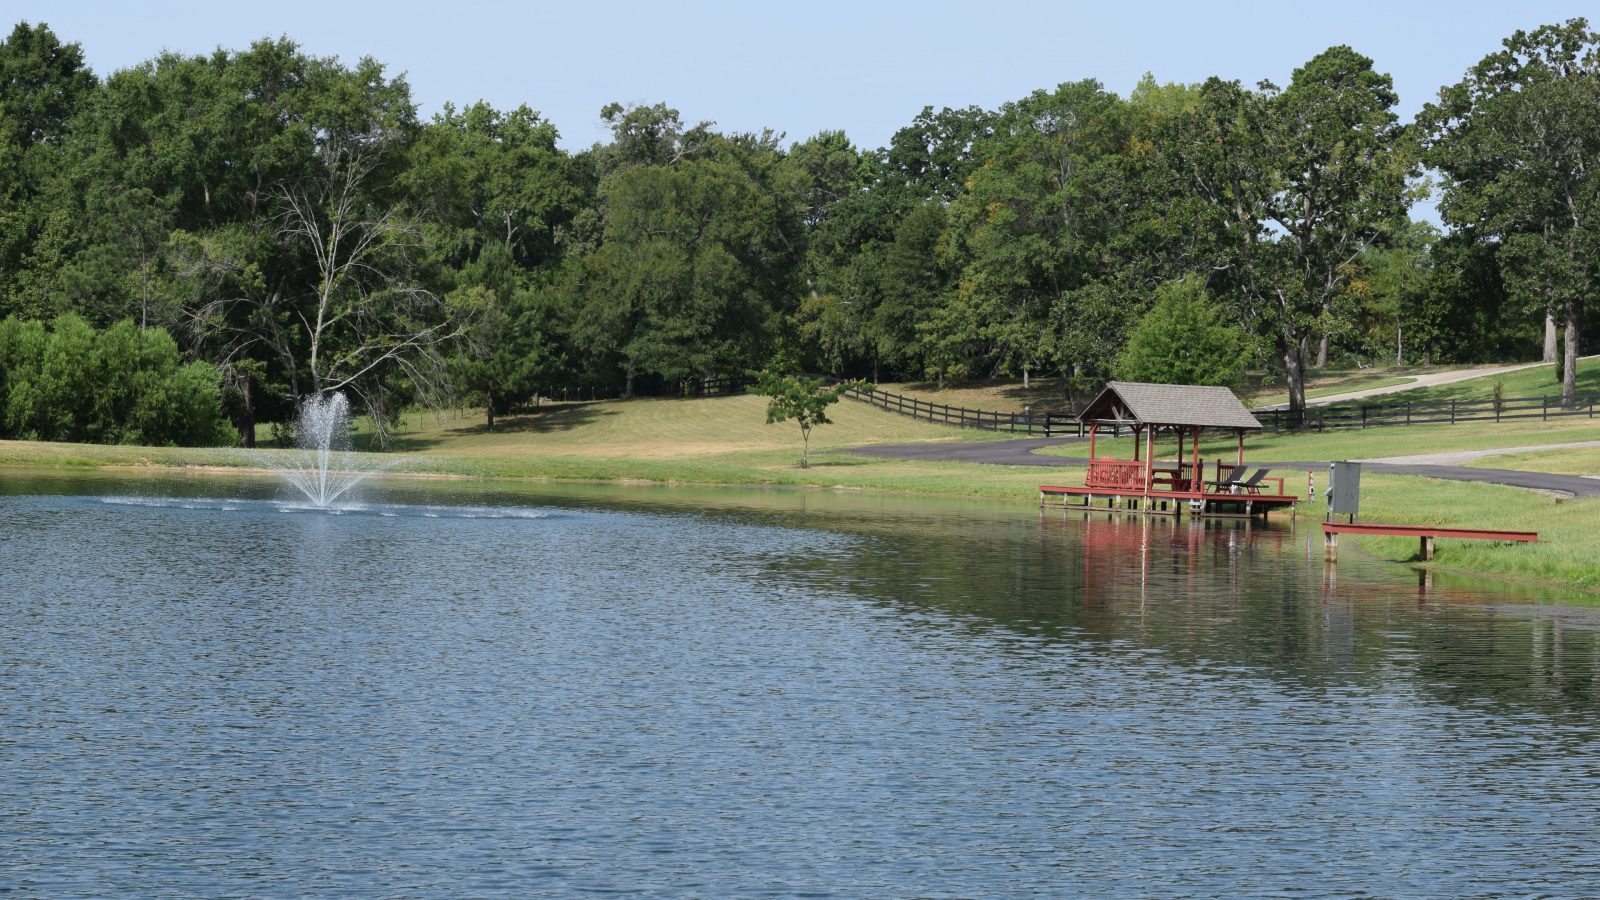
pixel 726 441
pixel 1564 557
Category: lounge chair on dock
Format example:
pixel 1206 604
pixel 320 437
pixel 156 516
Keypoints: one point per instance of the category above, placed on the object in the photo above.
pixel 1251 485
pixel 1231 478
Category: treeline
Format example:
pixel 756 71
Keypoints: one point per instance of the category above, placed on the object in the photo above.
pixel 293 222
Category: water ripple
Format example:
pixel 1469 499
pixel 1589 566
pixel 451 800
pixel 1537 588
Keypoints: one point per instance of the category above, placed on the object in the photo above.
pixel 208 697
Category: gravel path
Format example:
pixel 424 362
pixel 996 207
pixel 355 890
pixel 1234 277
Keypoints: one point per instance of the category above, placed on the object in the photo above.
pixel 1427 379
pixel 1022 452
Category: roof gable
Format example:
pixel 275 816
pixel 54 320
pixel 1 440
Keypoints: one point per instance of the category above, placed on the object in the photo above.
pixel 1134 402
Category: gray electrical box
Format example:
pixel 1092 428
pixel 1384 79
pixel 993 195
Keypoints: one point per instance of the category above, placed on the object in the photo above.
pixel 1344 489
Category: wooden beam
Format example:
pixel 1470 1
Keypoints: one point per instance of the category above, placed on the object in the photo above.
pixel 1198 476
pixel 1482 534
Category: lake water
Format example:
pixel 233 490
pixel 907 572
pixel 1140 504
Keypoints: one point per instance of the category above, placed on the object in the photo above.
pixel 474 690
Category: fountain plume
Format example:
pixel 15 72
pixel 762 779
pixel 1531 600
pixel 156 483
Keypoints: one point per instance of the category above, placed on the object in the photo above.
pixel 325 465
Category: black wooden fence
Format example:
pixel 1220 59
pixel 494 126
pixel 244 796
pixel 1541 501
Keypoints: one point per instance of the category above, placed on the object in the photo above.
pixel 1026 423
pixel 1316 418
pixel 1447 412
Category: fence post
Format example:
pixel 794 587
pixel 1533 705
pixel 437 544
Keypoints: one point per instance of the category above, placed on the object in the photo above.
pixel 1408 412
pixel 1452 412
pixel 1544 412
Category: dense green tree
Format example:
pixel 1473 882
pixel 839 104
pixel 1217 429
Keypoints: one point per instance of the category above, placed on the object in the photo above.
pixel 122 385
pixel 480 176
pixel 43 86
pixel 1518 141
pixel 696 262
pixel 1393 305
pixel 1185 338
pixel 1299 182
pixel 931 158
pixel 512 346
pixel 494 193
pixel 1465 305
pixel 1030 221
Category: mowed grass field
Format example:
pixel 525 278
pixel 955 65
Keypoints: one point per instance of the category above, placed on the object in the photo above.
pixel 1538 381
pixel 726 441
pixel 657 429
pixel 1048 394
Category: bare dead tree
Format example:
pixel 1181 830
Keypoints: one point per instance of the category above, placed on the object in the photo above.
pixel 363 322
pixel 367 317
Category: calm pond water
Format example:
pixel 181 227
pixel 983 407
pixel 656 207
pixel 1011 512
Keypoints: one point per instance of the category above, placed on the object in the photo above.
pixel 473 690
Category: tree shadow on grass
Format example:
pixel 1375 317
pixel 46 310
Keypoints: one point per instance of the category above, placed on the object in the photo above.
pixel 1042 396
pixel 543 420
pixel 836 463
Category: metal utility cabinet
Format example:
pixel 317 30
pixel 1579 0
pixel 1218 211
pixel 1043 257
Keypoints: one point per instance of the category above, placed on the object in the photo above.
pixel 1344 489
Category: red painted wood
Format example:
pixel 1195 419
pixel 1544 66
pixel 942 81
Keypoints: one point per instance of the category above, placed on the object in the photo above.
pixel 1136 491
pixel 1482 534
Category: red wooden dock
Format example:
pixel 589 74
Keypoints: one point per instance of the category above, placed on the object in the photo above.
pixel 1175 485
pixel 1425 533
pixel 1169 502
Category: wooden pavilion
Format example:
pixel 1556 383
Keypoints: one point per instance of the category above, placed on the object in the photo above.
pixel 1183 411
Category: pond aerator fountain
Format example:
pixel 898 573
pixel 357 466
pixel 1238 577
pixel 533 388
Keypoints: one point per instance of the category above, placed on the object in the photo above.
pixel 325 465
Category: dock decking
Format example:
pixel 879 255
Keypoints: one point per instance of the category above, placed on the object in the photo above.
pixel 1167 502
pixel 1425 533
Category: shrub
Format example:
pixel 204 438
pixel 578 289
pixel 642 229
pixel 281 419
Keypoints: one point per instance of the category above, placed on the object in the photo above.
pixel 123 385
pixel 1185 338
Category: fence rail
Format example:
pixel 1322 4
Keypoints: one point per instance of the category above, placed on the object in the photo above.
pixel 1445 412
pixel 1316 418
pixel 1025 423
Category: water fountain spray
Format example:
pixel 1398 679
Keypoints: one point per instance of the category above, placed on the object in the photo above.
pixel 325 466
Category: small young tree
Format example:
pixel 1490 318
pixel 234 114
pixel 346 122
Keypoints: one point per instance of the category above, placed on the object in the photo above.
pixel 1184 339
pixel 806 400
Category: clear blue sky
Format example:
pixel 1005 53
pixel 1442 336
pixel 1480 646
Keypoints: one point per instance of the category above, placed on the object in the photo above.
pixel 802 67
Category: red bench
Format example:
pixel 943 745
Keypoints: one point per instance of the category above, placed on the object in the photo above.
pixel 1427 533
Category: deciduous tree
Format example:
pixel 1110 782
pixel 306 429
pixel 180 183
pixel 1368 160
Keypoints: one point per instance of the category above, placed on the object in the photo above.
pixel 1518 141
pixel 805 400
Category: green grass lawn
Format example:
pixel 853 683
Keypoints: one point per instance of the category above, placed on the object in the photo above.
pixel 1569 461
pixel 1326 382
pixel 1041 394
pixel 1563 558
pixel 1539 381
pixel 1047 394
pixel 660 429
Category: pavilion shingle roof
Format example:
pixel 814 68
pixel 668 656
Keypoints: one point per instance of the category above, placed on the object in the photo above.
pixel 1169 404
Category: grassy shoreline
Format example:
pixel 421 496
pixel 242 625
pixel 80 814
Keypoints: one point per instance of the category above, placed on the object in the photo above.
pixel 666 442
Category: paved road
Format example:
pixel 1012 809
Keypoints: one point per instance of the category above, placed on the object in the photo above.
pixel 1022 452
